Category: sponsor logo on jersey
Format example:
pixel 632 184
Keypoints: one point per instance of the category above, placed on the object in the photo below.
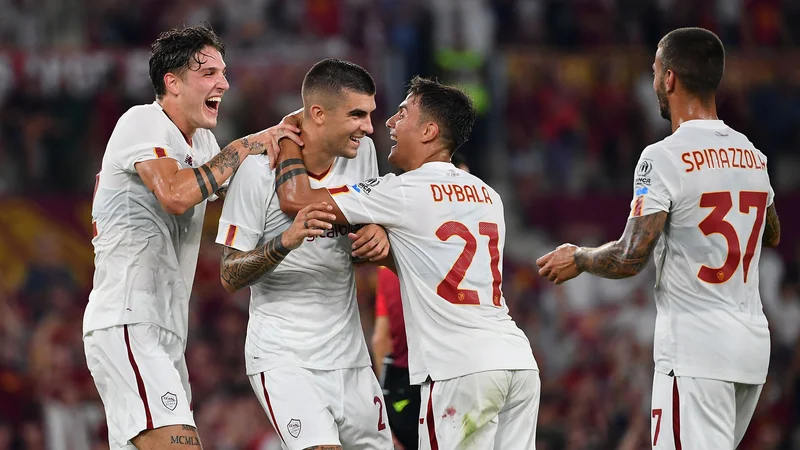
pixel 170 401
pixel 189 160
pixel 294 426
pixel 644 168
pixel 338 230
pixel 366 186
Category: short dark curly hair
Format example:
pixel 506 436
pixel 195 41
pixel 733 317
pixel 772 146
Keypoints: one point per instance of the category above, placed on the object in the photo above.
pixel 449 107
pixel 697 57
pixel 176 49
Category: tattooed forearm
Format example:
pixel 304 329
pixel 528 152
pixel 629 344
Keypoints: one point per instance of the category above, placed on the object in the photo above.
pixel 288 175
pixel 287 163
pixel 772 230
pixel 192 441
pixel 211 180
pixel 241 269
pixel 201 183
pixel 188 428
pixel 228 158
pixel 627 256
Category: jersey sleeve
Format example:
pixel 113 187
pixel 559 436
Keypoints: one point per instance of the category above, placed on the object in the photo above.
pixel 656 183
pixel 244 210
pixel 378 200
pixel 140 136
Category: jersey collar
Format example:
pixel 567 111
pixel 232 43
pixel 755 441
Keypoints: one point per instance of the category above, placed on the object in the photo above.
pixel 703 123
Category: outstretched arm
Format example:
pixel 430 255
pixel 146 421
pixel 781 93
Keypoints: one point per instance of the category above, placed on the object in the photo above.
pixel 622 258
pixel 627 256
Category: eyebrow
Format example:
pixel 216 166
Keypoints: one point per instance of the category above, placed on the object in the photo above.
pixel 402 107
pixel 358 113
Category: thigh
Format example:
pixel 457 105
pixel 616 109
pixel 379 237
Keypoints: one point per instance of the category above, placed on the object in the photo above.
pixel 517 421
pixel 296 404
pixel 463 412
pixel 746 401
pixel 364 423
pixel 133 367
pixel 691 413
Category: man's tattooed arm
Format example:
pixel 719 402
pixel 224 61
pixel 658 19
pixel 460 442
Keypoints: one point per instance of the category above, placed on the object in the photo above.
pixel 240 269
pixel 627 256
pixel 772 230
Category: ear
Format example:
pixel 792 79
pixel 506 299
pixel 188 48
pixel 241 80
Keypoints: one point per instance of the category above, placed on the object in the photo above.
pixel 316 113
pixel 172 83
pixel 430 132
pixel 670 81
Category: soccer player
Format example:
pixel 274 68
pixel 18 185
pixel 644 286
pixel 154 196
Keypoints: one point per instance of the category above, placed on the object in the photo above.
pixel 480 382
pixel 160 166
pixel 306 355
pixel 703 200
pixel 390 353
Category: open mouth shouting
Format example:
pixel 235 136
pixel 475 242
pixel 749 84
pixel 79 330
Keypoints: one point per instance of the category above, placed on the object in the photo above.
pixel 212 104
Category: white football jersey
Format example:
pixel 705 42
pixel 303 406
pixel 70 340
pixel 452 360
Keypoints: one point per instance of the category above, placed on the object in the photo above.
pixel 447 232
pixel 305 312
pixel 713 182
pixel 145 258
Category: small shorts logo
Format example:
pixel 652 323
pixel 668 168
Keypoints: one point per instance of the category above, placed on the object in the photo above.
pixel 170 401
pixel 294 427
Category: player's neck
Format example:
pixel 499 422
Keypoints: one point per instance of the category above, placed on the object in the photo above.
pixel 693 109
pixel 440 155
pixel 315 156
pixel 180 121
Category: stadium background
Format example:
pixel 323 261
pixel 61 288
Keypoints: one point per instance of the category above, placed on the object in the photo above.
pixel 564 90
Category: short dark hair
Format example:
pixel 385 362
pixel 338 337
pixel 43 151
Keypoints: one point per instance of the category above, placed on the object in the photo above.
pixel 332 76
pixel 448 106
pixel 174 51
pixel 697 57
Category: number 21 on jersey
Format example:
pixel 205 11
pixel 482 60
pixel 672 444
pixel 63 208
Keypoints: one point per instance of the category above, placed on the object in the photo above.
pixel 449 288
pixel 715 223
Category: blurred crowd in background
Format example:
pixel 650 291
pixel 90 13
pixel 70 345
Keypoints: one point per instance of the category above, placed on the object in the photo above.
pixel 565 100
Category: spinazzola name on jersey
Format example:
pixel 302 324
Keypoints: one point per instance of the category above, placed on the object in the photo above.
pixel 460 193
pixel 731 158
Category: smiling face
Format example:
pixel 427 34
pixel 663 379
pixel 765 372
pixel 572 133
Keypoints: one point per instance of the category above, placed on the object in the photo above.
pixel 199 89
pixel 405 128
pixel 348 122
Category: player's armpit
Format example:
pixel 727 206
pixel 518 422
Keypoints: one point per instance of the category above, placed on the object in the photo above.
pixel 293 186
pixel 772 229
pixel 627 256
pixel 240 269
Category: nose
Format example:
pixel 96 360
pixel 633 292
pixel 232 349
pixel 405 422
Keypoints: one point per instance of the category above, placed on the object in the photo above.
pixel 390 121
pixel 367 128
pixel 223 84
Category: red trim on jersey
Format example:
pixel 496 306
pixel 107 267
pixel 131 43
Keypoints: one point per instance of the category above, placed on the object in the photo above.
pixel 429 418
pixel 231 235
pixel 338 190
pixel 94 229
pixel 637 206
pixel 676 414
pixel 320 176
pixel 269 406
pixel 139 380
pixel 160 152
